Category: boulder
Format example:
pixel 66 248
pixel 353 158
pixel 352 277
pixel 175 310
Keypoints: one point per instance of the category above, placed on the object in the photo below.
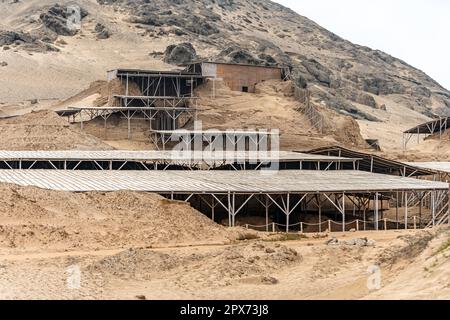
pixel 180 54
pixel 56 18
pixel 235 54
pixel 12 37
pixel 102 31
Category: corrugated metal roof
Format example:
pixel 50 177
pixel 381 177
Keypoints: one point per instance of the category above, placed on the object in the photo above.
pixel 164 156
pixel 374 163
pixel 437 166
pixel 216 181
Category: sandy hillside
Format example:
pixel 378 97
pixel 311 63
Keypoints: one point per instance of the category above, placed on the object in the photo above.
pixel 45 130
pixel 384 94
pixel 274 106
pixel 34 219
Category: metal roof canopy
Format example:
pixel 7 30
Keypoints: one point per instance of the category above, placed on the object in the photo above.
pixel 111 109
pixel 214 132
pixel 147 73
pixel 210 182
pixel 374 163
pixel 285 156
pixel 435 166
pixel 430 127
pixel 155 97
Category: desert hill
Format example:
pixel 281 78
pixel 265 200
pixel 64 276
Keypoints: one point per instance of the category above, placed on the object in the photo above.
pixel 42 59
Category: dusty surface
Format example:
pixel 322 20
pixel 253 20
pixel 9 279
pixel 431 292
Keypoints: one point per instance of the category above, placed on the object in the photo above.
pixel 274 106
pixel 45 130
pixel 248 269
pixel 129 244
pixel 34 218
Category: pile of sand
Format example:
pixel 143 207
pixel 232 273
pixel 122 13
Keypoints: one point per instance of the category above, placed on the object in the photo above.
pixel 45 130
pixel 37 218
pixel 246 262
pixel 100 93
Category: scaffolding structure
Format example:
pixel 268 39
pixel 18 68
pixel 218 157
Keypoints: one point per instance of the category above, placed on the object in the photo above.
pixel 209 140
pixel 158 117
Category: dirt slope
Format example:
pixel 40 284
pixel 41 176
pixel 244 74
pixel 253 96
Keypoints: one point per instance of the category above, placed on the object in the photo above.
pixel 33 218
pixel 45 130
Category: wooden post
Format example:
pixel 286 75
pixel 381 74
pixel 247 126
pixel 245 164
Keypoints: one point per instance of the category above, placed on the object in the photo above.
pixel 267 213
pixel 343 212
pixel 357 225
pixel 415 226
pixel 396 210
pixel 406 210
pixel 329 225
pixel 320 213
pixel 229 209
pixel 212 209
pixel 385 224
pixel 376 210
pixel 433 209
pixel 420 210
pixel 448 207
pixel 287 213
pixel 273 227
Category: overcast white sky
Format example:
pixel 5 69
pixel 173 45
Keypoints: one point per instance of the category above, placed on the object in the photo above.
pixel 416 31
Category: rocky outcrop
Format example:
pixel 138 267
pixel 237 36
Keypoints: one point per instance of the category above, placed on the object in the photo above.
pixel 265 33
pixel 382 86
pixel 25 41
pixel 56 19
pixel 180 54
pixel 102 31
pixel 318 71
pixel 235 54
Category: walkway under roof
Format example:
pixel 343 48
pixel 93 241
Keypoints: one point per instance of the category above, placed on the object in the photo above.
pixel 374 163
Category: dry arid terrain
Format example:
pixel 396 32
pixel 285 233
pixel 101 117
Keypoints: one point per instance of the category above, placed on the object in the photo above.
pixel 140 246
pixel 128 245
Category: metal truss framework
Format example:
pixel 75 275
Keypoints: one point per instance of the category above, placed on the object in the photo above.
pixel 165 102
pixel 286 196
pixel 170 164
pixel 229 140
pixel 366 209
pixel 173 117
pixel 439 125
pixel 165 87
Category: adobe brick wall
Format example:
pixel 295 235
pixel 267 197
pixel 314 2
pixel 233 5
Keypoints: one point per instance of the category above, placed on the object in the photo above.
pixel 238 76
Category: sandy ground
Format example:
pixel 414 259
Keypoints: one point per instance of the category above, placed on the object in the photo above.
pixel 127 245
pixel 250 269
